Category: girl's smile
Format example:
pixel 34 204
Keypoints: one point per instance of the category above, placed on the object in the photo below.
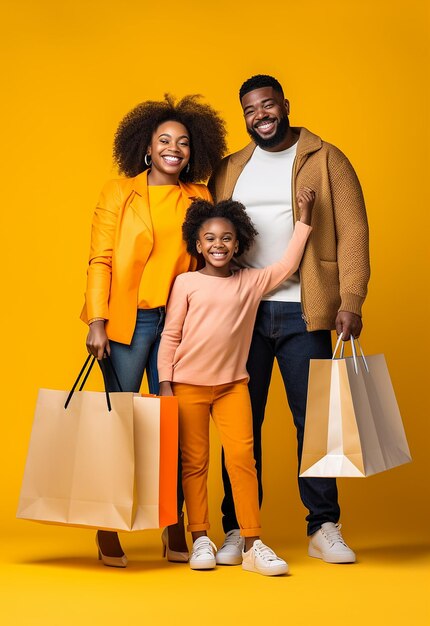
pixel 217 243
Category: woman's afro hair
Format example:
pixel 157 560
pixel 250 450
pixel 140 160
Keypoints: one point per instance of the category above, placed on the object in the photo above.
pixel 200 211
pixel 206 128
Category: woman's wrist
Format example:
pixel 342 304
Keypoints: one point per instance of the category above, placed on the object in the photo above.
pixel 96 319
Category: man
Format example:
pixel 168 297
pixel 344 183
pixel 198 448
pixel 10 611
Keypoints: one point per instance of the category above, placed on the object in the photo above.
pixel 293 323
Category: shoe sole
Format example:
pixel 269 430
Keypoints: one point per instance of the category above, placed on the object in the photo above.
pixel 228 560
pixel 273 571
pixel 203 564
pixel 177 558
pixel 332 558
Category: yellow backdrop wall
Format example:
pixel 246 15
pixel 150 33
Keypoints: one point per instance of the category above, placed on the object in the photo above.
pixel 355 73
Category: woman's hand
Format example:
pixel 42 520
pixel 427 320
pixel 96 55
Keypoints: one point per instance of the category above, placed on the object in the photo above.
pixel 97 339
pixel 305 201
pixel 166 388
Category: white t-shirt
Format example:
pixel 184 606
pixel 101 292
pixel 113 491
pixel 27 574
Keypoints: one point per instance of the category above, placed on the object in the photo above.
pixel 264 187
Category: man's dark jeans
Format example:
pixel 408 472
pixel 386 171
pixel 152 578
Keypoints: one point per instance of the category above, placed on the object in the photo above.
pixel 280 332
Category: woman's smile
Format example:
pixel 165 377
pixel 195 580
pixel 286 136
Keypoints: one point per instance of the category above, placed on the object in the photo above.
pixel 171 160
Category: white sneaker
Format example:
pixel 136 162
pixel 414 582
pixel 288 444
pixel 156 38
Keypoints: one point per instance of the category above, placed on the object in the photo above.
pixel 203 554
pixel 230 552
pixel 329 545
pixel 262 559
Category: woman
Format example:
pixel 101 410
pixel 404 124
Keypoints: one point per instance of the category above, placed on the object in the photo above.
pixel 163 148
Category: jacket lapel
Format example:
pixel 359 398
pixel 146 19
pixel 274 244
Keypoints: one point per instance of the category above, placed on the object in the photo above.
pixel 308 143
pixel 237 162
pixel 140 200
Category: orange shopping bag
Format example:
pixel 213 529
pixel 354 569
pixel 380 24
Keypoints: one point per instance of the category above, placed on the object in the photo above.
pixel 156 457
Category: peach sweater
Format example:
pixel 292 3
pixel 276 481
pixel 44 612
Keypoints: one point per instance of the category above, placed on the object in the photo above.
pixel 210 320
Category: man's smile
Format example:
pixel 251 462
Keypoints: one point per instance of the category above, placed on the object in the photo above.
pixel 265 126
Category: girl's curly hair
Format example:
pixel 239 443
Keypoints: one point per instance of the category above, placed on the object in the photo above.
pixel 200 211
pixel 206 128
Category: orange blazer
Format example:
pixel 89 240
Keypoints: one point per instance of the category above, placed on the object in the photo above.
pixel 121 242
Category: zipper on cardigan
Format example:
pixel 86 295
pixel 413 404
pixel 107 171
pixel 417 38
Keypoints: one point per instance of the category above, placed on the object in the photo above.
pixel 293 201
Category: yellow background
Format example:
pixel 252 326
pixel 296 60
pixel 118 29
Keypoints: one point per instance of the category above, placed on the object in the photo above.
pixel 356 73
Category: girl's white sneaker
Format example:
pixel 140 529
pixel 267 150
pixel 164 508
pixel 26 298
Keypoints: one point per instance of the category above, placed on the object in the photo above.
pixel 203 554
pixel 231 550
pixel 261 559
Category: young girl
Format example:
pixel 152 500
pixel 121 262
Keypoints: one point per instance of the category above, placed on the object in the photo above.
pixel 202 361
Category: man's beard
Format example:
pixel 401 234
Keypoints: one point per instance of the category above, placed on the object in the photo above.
pixel 272 142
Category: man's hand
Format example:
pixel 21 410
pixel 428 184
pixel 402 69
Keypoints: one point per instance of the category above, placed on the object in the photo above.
pixel 348 324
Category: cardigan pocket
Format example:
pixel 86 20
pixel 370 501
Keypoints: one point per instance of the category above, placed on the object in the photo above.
pixel 329 273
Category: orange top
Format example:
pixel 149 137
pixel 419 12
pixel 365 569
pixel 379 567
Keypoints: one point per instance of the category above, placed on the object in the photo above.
pixel 210 319
pixel 122 238
pixel 169 251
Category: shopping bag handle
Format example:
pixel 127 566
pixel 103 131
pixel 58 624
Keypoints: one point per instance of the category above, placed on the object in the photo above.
pixel 111 365
pixel 89 362
pixel 354 351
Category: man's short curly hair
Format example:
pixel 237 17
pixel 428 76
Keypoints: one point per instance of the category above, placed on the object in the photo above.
pixel 257 82
pixel 200 211
pixel 206 128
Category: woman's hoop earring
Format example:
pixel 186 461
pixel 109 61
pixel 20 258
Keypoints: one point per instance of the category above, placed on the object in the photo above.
pixel 187 169
pixel 146 160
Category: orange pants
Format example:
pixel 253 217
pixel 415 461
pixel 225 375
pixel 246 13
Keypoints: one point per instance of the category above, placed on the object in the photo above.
pixel 230 408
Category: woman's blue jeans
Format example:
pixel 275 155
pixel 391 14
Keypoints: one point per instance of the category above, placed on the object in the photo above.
pixel 131 362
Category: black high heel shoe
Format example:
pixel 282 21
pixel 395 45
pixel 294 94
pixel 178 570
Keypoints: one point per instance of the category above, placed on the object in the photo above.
pixel 110 561
pixel 173 555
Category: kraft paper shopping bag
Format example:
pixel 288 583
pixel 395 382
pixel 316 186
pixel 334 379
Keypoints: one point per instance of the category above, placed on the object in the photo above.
pixel 80 462
pixel 102 460
pixel 353 425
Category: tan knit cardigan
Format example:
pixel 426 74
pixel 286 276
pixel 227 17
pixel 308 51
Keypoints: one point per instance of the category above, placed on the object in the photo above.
pixel 335 268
